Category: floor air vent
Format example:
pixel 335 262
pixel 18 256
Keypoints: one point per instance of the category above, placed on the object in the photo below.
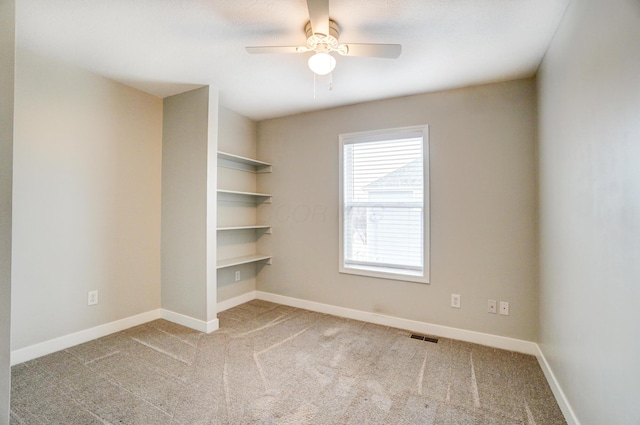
pixel 424 338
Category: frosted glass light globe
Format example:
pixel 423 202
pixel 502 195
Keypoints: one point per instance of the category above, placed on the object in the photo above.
pixel 322 63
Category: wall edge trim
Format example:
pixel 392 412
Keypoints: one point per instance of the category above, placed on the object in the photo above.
pixel 190 322
pixel 236 301
pixel 495 341
pixel 60 343
pixel 556 389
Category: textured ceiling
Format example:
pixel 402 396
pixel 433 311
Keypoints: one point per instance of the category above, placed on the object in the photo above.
pixel 165 47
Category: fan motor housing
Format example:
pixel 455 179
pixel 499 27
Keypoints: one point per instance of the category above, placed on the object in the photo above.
pixel 334 29
pixel 330 40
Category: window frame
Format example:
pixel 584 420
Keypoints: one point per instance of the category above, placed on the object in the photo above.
pixel 376 136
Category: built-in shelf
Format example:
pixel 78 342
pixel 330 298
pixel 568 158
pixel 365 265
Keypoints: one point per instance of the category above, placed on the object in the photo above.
pixel 267 229
pixel 260 197
pixel 250 164
pixel 230 262
pixel 235 192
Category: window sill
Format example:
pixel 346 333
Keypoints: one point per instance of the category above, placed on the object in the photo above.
pixel 386 273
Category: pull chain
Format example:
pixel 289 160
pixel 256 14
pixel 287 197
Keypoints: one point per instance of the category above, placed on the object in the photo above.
pixel 315 83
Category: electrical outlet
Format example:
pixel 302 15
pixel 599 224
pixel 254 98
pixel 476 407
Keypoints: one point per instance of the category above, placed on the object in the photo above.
pixel 492 306
pixel 92 298
pixel 237 275
pixel 504 308
pixel 455 300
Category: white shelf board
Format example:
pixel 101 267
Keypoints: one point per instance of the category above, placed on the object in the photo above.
pixel 259 166
pixel 235 192
pixel 264 196
pixel 268 228
pixel 220 264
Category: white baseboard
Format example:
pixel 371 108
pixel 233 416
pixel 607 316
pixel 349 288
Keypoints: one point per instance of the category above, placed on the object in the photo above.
pixel 527 347
pixel 41 349
pixel 190 322
pixel 236 301
pixel 502 342
pixel 561 398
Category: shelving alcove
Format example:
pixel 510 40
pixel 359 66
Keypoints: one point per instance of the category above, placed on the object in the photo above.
pixel 249 165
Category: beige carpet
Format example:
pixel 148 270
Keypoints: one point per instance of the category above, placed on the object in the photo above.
pixel 272 364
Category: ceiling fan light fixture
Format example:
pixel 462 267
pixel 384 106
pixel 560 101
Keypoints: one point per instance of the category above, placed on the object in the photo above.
pixel 323 35
pixel 322 63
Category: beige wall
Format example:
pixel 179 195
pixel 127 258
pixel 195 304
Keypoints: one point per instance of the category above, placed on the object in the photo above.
pixel 589 90
pixel 236 133
pixel 188 203
pixel 87 160
pixel 7 69
pixel 483 208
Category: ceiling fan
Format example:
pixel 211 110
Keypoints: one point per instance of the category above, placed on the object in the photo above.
pixel 323 36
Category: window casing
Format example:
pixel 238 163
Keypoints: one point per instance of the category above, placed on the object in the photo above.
pixel 384 204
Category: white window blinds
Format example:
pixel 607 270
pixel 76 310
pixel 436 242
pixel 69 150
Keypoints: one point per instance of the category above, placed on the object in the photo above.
pixel 383 204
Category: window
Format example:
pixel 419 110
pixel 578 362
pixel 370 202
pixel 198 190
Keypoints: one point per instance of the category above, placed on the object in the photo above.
pixel 384 193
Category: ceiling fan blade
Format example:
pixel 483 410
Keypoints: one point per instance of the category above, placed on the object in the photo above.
pixel 391 51
pixel 272 49
pixel 319 16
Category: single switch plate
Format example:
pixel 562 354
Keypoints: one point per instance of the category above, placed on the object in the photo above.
pixel 237 275
pixel 492 306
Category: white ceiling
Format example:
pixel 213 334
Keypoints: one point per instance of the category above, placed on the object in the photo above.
pixel 165 47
